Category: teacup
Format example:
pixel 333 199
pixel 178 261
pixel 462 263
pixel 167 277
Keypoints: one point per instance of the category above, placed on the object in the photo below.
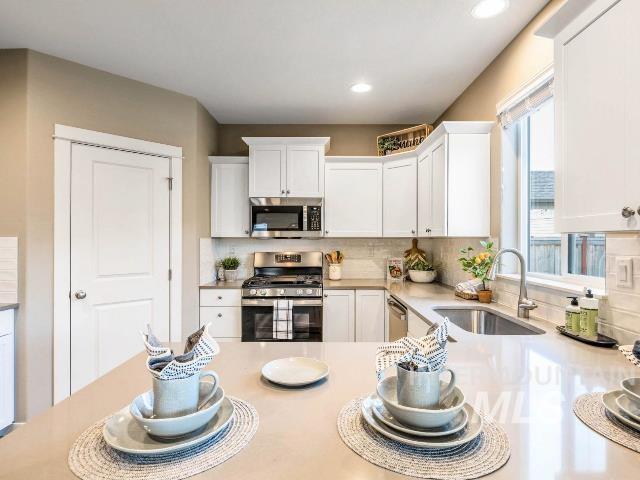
pixel 177 397
pixel 422 389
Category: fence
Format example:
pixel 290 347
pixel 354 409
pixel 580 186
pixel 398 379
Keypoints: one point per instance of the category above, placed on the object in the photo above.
pixel 586 255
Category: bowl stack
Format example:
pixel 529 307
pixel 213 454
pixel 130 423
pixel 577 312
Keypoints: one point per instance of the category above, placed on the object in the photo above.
pixel 624 404
pixel 453 422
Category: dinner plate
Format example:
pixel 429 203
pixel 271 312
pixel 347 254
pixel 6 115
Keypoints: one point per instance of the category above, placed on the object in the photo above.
pixel 629 407
pixel 471 431
pixel 122 432
pixel 455 425
pixel 609 401
pixel 295 371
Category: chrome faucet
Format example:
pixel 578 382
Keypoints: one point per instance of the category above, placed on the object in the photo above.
pixel 524 303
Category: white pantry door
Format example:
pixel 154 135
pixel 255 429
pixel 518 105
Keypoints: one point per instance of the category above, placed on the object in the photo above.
pixel 119 256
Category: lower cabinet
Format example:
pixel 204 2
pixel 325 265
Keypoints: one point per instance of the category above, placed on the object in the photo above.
pixel 7 369
pixel 221 308
pixel 416 326
pixel 354 315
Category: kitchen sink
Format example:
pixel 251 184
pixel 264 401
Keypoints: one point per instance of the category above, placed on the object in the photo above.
pixel 485 321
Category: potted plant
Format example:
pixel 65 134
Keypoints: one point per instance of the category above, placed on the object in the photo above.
pixel 479 266
pixel 421 271
pixel 230 266
pixel 388 145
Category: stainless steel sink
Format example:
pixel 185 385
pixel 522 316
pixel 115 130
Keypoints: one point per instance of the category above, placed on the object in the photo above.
pixel 485 321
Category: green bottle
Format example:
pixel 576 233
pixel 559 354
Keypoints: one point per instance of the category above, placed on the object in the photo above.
pixel 588 315
pixel 572 316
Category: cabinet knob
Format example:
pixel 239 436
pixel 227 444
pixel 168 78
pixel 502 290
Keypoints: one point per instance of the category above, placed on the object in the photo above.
pixel 628 212
pixel 326 231
pixel 282 192
pixel 326 295
pixel 246 232
pixel 219 297
pixel 220 315
pixel 288 191
pixel 413 231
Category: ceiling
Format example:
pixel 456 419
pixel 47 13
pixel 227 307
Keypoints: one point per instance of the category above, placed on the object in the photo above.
pixel 278 61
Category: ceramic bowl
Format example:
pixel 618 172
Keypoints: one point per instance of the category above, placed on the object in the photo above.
pixel 419 417
pixel 631 387
pixel 420 276
pixel 141 410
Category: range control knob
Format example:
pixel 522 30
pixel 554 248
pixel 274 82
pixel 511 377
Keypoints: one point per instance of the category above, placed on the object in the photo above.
pixel 309 291
pixel 281 291
pixel 253 291
pixel 263 292
pixel 299 291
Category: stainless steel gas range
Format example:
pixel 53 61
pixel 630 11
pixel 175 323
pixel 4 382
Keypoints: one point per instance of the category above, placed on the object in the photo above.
pixel 295 276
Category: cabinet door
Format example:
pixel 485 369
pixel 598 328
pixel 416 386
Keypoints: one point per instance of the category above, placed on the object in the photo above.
pixel 437 221
pixel 424 194
pixel 596 102
pixel 370 315
pixel 400 198
pixel 7 388
pixel 230 200
pixel 353 199
pixel 305 171
pixel 338 316
pixel 267 171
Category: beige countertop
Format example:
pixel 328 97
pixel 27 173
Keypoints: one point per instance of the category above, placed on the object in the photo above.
pixel 234 284
pixel 8 306
pixel 528 383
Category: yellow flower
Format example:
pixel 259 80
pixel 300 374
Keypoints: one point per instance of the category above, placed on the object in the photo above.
pixel 478 260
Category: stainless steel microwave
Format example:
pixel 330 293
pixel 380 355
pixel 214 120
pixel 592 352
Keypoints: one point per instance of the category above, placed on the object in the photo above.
pixel 286 217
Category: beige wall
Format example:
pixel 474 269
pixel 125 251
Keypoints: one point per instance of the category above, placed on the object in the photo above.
pixel 345 139
pixel 58 91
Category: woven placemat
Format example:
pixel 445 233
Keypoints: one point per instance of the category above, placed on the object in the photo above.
pixel 483 455
pixel 90 458
pixel 590 409
pixel 627 351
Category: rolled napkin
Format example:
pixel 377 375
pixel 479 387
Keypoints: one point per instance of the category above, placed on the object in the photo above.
pixel 199 350
pixel 470 287
pixel 429 353
pixel 632 352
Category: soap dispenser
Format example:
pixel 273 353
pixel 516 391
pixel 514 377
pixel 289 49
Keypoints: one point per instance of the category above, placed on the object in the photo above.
pixel 588 315
pixel 572 316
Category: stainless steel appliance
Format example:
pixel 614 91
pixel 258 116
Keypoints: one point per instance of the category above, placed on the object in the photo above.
pixel 295 276
pixel 286 217
pixel 398 322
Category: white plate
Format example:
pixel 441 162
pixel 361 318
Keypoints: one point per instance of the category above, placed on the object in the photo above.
pixel 455 425
pixel 629 407
pixel 123 433
pixel 609 401
pixel 472 430
pixel 295 371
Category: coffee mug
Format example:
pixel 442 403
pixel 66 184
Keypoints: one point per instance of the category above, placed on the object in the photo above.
pixel 178 397
pixel 422 389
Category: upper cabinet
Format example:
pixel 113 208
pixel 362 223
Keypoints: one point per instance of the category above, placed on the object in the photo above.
pixel 399 196
pixel 229 196
pixel 353 197
pixel 286 166
pixel 454 181
pixel 597 99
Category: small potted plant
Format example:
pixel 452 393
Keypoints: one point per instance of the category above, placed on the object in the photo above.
pixel 230 266
pixel 421 271
pixel 388 145
pixel 479 266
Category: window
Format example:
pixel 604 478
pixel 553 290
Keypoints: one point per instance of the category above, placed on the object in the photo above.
pixel 575 256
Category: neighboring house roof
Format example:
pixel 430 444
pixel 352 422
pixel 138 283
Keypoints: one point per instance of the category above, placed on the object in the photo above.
pixel 542 186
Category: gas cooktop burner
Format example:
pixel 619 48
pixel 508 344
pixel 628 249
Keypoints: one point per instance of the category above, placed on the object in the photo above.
pixel 282 280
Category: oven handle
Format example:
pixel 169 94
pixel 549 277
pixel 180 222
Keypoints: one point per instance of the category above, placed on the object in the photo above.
pixel 263 302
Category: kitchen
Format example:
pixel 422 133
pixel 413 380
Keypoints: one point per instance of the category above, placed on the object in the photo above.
pixel 447 193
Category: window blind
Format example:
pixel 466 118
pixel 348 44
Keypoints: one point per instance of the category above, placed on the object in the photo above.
pixel 524 105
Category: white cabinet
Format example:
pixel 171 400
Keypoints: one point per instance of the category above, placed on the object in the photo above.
pixel 353 197
pixel 7 368
pixel 221 308
pixel 338 316
pixel 399 197
pixel 597 110
pixel 417 327
pixel 286 166
pixel 229 196
pixel 454 181
pixel 370 316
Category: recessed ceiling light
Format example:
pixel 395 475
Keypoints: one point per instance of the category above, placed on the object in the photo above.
pixel 489 8
pixel 360 87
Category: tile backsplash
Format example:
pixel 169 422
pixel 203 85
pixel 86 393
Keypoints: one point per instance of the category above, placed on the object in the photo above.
pixel 8 270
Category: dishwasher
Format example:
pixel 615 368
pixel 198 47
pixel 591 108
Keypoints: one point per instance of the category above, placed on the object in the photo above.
pixel 397 320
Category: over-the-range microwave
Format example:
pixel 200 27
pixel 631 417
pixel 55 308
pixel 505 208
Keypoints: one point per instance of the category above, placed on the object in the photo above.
pixel 286 217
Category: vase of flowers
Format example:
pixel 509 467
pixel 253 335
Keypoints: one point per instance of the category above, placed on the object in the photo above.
pixel 230 266
pixel 478 265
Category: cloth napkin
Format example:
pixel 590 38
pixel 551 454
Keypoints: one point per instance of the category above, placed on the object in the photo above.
pixel 428 352
pixel 199 350
pixel 283 319
pixel 470 287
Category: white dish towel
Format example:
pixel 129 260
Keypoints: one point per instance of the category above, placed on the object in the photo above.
pixel 283 319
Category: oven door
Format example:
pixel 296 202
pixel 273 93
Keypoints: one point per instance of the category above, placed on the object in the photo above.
pixel 277 220
pixel 257 320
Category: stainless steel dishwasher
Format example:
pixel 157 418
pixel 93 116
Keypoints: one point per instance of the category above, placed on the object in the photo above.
pixel 397 320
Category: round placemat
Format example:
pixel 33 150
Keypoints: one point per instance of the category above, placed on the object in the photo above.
pixel 90 458
pixel 627 351
pixel 590 409
pixel 483 455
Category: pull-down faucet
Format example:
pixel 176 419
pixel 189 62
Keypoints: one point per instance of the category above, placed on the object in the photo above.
pixel 524 303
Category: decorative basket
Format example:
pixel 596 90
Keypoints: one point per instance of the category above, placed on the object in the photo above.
pixel 407 139
pixel 467 296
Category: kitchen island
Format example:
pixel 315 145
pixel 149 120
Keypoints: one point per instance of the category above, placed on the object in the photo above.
pixel 527 382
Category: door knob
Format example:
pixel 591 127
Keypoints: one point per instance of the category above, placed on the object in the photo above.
pixel 628 212
pixel 80 294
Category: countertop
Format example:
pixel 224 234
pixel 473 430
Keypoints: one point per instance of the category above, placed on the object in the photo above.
pixel 528 383
pixel 8 306
pixel 214 285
